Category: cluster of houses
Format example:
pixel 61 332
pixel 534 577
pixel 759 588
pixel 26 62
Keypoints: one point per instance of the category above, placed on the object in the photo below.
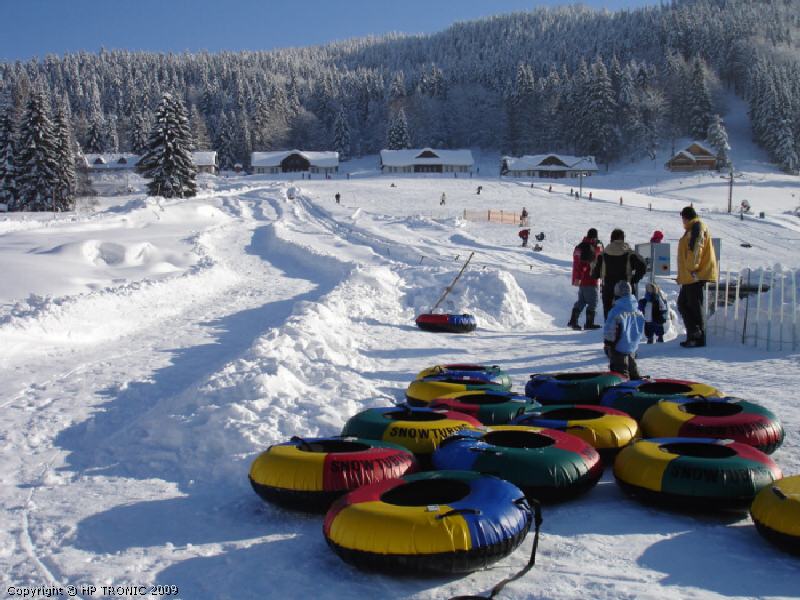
pixel 420 160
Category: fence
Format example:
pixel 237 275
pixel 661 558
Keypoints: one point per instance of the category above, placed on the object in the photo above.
pixel 756 308
pixel 498 216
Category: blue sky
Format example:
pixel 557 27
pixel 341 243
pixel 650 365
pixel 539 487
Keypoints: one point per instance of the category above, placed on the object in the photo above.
pixel 31 28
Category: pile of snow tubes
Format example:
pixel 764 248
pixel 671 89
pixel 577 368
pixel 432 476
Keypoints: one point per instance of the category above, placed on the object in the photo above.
pixel 571 388
pixel 489 407
pixel 309 474
pixel 447 323
pixel 420 430
pixel 429 523
pixel 422 392
pixel 637 395
pixel 546 464
pixel 723 418
pixel 695 473
pixel 606 429
pixel 491 373
pixel 776 513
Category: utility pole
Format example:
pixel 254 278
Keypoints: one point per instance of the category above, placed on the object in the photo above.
pixel 730 192
pixel 580 179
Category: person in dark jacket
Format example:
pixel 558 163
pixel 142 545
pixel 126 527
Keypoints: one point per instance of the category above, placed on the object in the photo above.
pixel 618 262
pixel 583 259
pixel 623 332
pixel 523 234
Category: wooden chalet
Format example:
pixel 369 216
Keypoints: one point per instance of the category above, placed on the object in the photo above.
pixel 548 166
pixel 294 161
pixel 696 157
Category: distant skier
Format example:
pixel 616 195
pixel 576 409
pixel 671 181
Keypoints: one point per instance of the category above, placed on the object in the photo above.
pixel 523 217
pixel 523 234
pixel 338 197
pixel 480 188
pixel 443 199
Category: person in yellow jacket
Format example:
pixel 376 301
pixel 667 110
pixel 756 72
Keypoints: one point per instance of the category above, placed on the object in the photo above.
pixel 697 265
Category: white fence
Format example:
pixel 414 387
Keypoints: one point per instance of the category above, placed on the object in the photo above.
pixel 755 307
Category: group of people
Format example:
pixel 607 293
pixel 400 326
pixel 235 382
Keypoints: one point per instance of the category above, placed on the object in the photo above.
pixel 617 269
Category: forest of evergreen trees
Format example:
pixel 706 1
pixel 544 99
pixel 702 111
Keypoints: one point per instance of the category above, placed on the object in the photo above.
pixel 572 80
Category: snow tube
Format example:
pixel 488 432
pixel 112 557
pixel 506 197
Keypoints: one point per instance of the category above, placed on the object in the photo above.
pixel 776 513
pixel 571 388
pixel 489 407
pixel 417 429
pixel 723 418
pixel 606 429
pixel 701 473
pixel 421 392
pixel 439 522
pixel 546 464
pixel 311 473
pixel 491 373
pixel 447 323
pixel 637 395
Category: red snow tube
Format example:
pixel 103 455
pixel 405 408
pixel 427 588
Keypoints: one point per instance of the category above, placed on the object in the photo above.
pixel 447 323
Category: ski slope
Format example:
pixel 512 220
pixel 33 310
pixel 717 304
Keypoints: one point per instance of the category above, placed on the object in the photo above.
pixel 152 348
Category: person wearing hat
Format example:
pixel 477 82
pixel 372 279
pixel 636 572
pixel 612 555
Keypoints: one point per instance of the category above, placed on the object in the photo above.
pixel 623 331
pixel 583 258
pixel 618 262
pixel 658 236
pixel 697 265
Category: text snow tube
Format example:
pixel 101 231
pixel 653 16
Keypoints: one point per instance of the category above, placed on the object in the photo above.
pixel 309 474
pixel 700 473
pixel 722 418
pixel 420 430
pixel 571 388
pixel 637 395
pixel 546 464
pixel 434 523
pixel 776 513
pixel 608 430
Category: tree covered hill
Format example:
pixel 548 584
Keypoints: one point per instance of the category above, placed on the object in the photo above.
pixel 570 79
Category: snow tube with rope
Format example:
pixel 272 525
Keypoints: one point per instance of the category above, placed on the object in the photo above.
pixel 438 522
pixel 546 464
pixel 637 395
pixel 309 474
pixel 421 392
pixel 702 473
pixel 492 373
pixel 489 407
pixel 776 513
pixel 417 429
pixel 723 418
pixel 447 323
pixel 608 430
pixel 571 388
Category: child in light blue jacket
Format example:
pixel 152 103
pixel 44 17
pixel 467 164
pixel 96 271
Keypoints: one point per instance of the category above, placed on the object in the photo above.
pixel 623 331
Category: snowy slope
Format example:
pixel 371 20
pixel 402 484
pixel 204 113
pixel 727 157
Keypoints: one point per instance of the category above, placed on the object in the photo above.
pixel 153 348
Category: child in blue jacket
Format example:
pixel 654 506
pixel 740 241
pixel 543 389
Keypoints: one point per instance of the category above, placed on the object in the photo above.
pixel 623 331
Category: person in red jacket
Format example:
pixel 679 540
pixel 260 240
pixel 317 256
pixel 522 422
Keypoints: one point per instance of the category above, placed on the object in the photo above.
pixel 583 259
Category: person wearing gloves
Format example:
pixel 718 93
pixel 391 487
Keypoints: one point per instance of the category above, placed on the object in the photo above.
pixel 697 265
pixel 623 331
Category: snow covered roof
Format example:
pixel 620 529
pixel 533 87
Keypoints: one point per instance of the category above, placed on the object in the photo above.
pixel 205 158
pixel 550 162
pixel 426 156
pixel 111 161
pixel 274 159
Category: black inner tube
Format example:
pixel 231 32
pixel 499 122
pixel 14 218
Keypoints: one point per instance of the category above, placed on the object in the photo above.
pixel 518 439
pixel 333 446
pixel 482 399
pixel 665 387
pixel 572 414
pixel 712 409
pixel 465 380
pixel 402 415
pixel 457 367
pixel 699 450
pixel 576 376
pixel 426 492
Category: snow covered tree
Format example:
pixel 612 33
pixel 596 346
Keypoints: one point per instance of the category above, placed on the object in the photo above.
pixel 341 136
pixel 96 136
pixel 398 137
pixel 599 135
pixel 8 172
pixel 699 102
pixel 167 161
pixel 199 130
pixel 64 198
pixel 37 179
pixel 718 138
pixel 225 143
pixel 138 133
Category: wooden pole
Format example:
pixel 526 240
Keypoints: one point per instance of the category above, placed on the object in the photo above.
pixel 449 288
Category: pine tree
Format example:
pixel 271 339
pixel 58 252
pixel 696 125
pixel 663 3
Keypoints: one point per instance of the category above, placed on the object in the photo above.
pixel 65 162
pixel 8 172
pixel 96 136
pixel 341 136
pixel 36 158
pixel 599 135
pixel 199 130
pixel 398 137
pixel 225 144
pixel 699 102
pixel 167 162
pixel 138 134
pixel 718 138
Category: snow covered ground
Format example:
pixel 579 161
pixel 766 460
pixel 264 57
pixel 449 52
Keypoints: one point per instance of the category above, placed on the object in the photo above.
pixel 152 348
